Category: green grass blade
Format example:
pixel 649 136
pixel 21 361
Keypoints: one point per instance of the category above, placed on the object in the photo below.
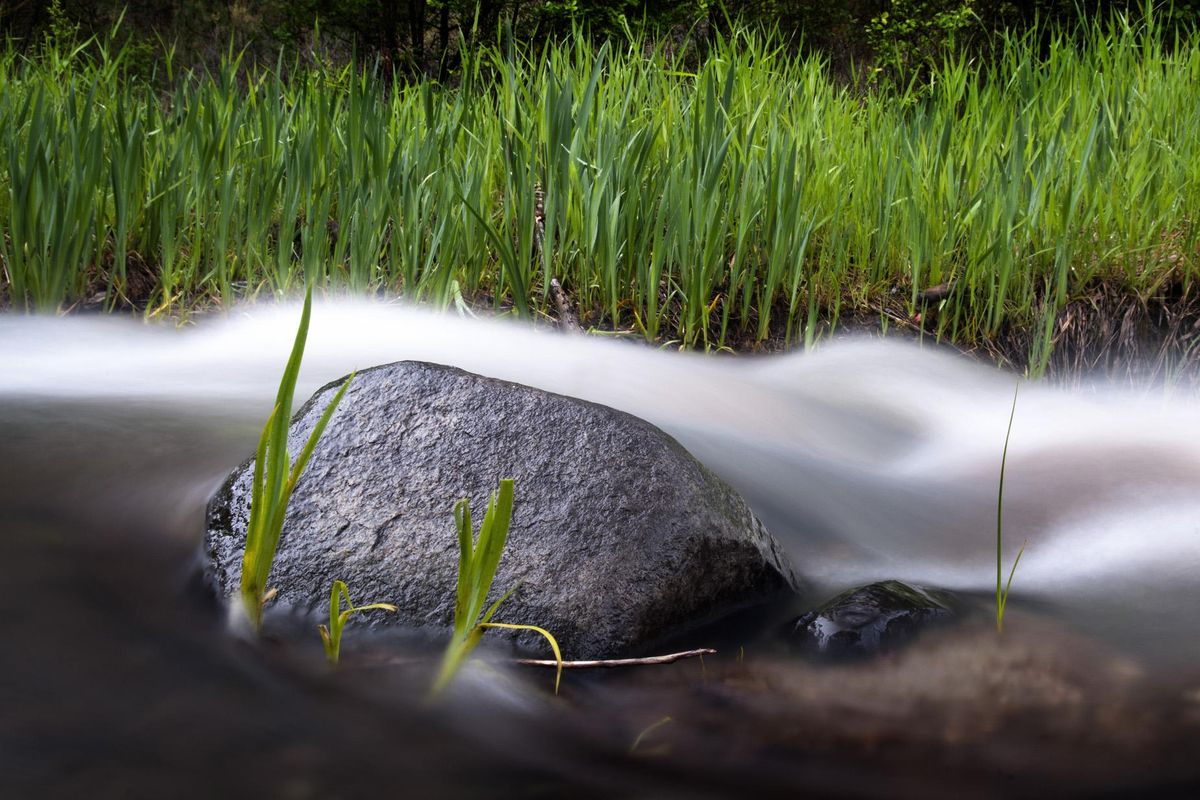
pixel 251 590
pixel 372 607
pixel 1008 586
pixel 545 634
pixel 331 636
pixel 317 431
pixel 462 519
pixel 1002 590
pixel 493 536
pixel 494 607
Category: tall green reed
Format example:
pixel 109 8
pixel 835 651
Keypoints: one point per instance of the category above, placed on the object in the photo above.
pixel 1003 589
pixel 331 634
pixel 746 197
pixel 478 559
pixel 275 476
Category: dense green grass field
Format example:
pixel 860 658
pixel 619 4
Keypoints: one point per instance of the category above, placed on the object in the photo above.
pixel 726 205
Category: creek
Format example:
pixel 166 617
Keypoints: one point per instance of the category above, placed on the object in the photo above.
pixel 867 459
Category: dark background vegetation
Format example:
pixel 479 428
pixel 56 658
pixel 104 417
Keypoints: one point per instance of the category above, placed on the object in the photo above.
pixel 426 37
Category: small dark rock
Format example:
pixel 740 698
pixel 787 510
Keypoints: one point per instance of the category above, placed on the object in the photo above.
pixel 871 619
pixel 620 537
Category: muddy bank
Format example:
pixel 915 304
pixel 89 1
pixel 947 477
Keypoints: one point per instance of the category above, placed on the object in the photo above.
pixel 1107 335
pixel 1103 335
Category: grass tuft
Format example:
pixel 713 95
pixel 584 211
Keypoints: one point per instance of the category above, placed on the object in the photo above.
pixel 275 477
pixel 331 635
pixel 478 560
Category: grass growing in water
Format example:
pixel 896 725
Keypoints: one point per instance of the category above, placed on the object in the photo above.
pixel 477 563
pixel 1002 591
pixel 331 635
pixel 275 477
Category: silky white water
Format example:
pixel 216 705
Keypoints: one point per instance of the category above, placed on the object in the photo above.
pixel 868 459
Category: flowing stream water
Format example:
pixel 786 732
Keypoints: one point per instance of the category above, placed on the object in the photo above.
pixel 868 459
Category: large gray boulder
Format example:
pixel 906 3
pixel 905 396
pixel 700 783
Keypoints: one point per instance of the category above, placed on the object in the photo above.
pixel 619 537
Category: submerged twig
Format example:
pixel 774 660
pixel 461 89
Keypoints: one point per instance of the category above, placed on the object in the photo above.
pixel 608 663
pixel 611 663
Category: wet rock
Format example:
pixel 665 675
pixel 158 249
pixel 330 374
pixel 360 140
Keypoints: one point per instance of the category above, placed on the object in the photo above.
pixel 619 537
pixel 870 619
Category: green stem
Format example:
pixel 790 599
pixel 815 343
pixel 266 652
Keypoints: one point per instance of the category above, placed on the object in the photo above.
pixel 1001 589
pixel 453 659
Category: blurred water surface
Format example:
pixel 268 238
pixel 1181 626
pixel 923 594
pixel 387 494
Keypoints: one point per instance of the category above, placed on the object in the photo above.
pixel 867 459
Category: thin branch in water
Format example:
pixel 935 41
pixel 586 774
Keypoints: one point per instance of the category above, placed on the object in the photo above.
pixel 610 663
pixel 647 661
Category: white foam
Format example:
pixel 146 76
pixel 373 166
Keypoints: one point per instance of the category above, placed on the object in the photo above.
pixel 867 458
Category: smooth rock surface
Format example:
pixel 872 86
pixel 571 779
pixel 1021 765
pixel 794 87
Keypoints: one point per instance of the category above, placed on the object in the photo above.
pixel 875 618
pixel 620 537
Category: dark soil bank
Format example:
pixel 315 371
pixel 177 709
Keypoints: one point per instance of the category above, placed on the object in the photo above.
pixel 1105 333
